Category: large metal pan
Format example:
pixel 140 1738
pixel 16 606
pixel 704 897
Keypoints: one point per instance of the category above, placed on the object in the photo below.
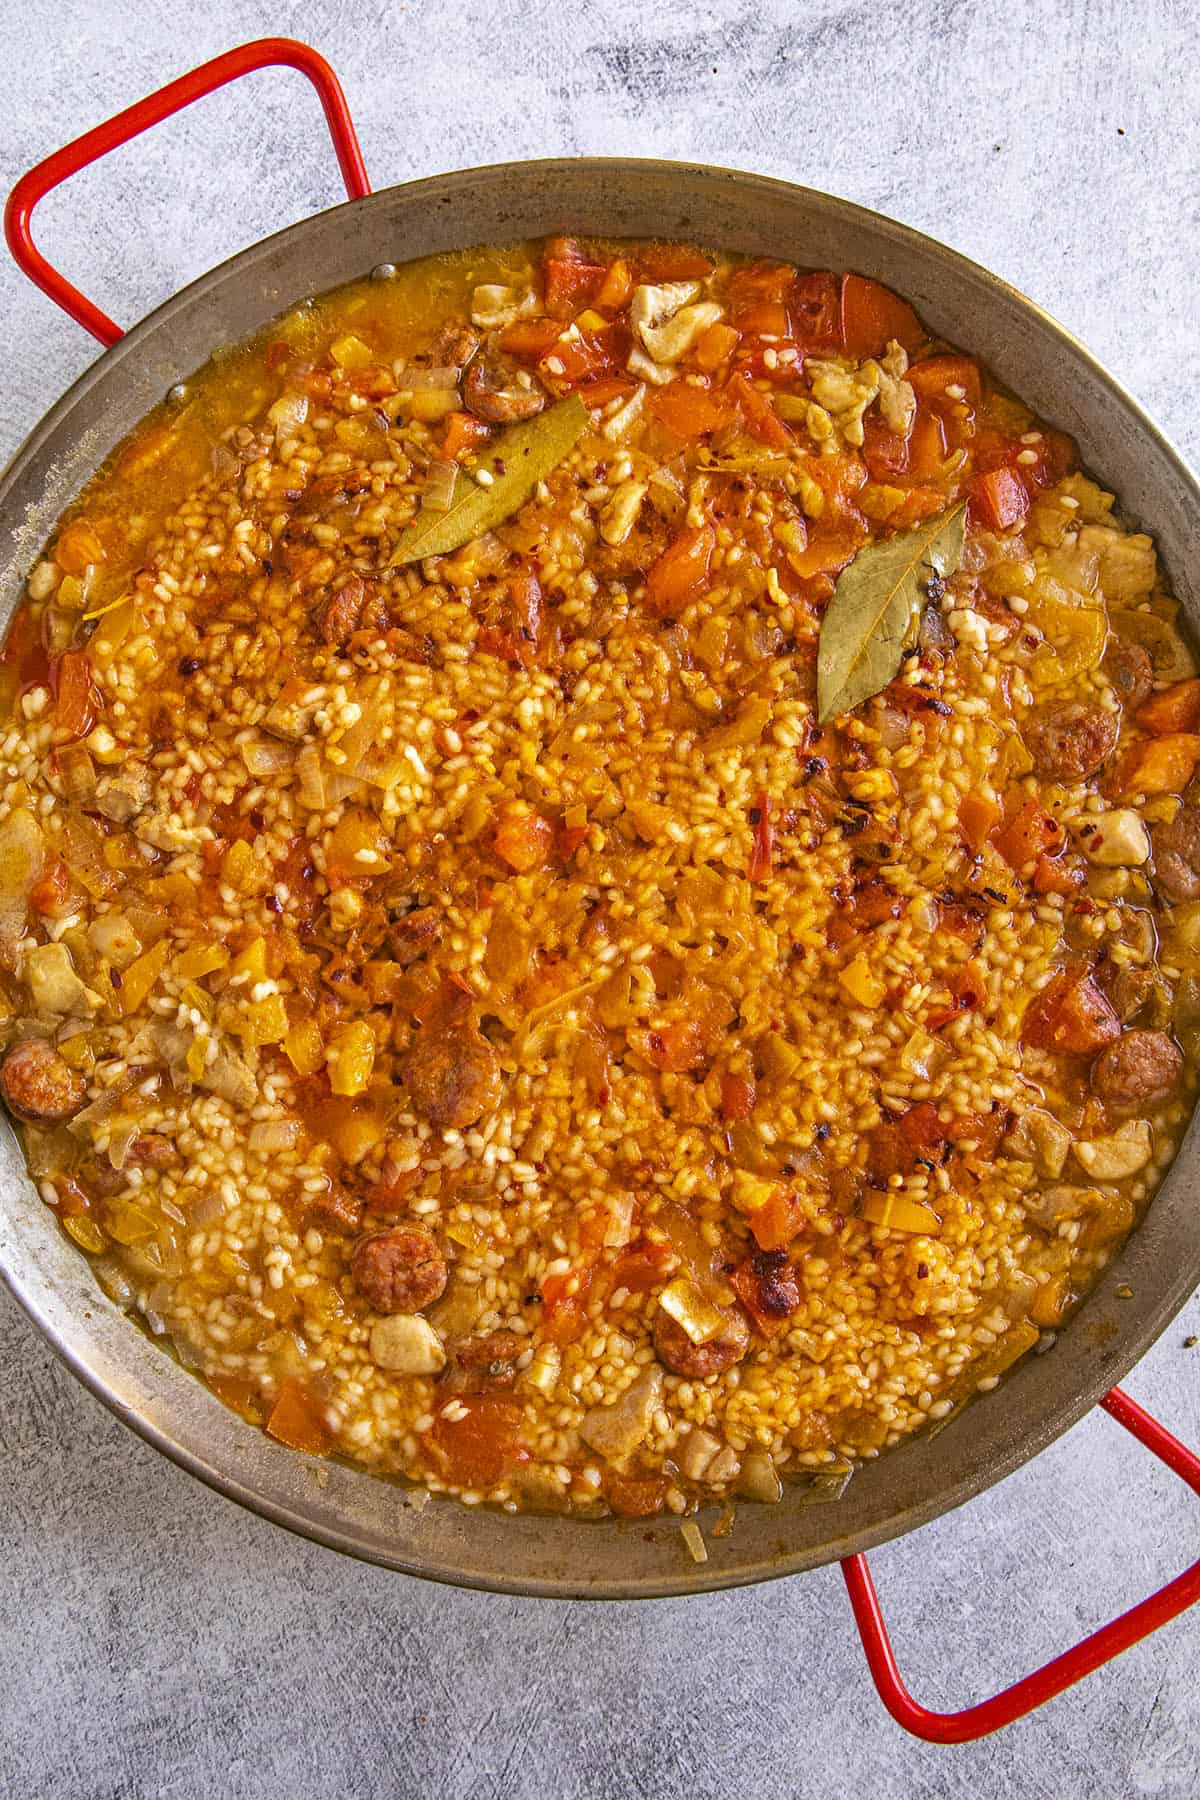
pixel 1147 1282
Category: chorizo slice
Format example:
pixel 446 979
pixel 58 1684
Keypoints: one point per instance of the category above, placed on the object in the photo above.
pixel 399 1271
pixel 696 1362
pixel 1140 1068
pixel 38 1085
pixel 452 1076
pixel 498 397
pixel 1129 668
pixel 1070 739
pixel 1176 846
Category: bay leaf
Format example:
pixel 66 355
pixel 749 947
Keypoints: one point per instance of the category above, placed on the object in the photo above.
pixel 517 460
pixel 875 605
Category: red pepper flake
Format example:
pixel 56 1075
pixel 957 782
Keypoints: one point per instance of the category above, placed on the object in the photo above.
pixel 763 848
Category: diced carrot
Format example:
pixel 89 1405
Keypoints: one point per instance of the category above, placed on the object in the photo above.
pixel 616 288
pixel 679 574
pixel 1162 765
pixel 977 819
pixel 634 1496
pixel 758 415
pixel 763 318
pixel 604 389
pixel 931 377
pixel 778 1220
pixel 1177 708
pixel 480 1439
pixel 530 339
pixel 762 848
pixel 1071 1016
pixel 715 347
pixel 296 1420
pixel 815 305
pixel 737 1098
pixel 1028 832
pixel 918 503
pixel 524 839
pixel 998 500
pixel 689 412
pixel 872 316
pixel 463 432
pixel 672 262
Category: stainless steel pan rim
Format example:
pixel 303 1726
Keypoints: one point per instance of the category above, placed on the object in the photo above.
pixel 1138 1294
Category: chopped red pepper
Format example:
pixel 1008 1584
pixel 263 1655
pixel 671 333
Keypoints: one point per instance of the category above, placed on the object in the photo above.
pixel 999 499
pixel 762 850
pixel 737 1098
pixel 872 316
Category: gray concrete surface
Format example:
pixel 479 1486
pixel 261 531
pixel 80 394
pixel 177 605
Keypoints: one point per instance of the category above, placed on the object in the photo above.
pixel 159 1642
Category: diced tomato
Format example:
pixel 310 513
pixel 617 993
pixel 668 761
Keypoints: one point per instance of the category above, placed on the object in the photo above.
pixel 896 1145
pixel 762 849
pixel 1028 832
pixel 530 339
pixel 758 415
pixel 480 1441
pixel 50 891
pixel 1071 1016
pixel 604 388
pixel 779 1220
pixel 690 412
pixel 816 312
pixel 565 1303
pixel 763 318
pixel 681 572
pixel 737 1098
pixel 463 432
pixel 25 650
pixel 715 347
pixel 999 499
pixel 586 356
pixel 634 1496
pixel 931 377
pixel 968 990
pixel 757 283
pixel 872 316
pixel 1176 708
pixel 643 1266
pixel 570 279
pixel 926 444
pixel 76 702
pixel 885 452
pixel 297 1420
pixel 977 819
pixel 672 262
pixel 1053 455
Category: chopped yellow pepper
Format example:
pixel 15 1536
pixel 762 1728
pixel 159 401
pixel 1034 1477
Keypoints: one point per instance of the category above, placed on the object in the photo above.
pixel 303 1048
pixel 201 960
pixel 350 1058
pixel 140 977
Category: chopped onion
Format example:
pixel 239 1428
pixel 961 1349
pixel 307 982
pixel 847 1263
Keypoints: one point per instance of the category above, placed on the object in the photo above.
pixel 439 489
pixel 121 1142
pixel 113 1280
pixel 78 773
pixel 288 414
pixel 207 1209
pixel 266 756
pixel 273 1134
pixel 413 377
pixel 311 770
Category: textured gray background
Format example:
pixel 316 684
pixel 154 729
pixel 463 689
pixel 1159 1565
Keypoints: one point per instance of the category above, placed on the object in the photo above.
pixel 159 1642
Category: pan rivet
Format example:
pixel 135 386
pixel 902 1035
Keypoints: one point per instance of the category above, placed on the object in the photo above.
pixel 383 272
pixel 177 393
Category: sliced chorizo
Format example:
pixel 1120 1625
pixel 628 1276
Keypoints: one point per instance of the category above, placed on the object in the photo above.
pixel 416 934
pixel 38 1085
pixel 454 346
pixel 398 1271
pixel 1129 668
pixel 1140 1068
pixel 497 396
pixel 696 1362
pixel 1176 847
pixel 336 1211
pixel 1070 739
pixel 452 1077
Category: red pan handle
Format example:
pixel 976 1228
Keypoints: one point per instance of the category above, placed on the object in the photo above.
pixel 262 53
pixel 991 1715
